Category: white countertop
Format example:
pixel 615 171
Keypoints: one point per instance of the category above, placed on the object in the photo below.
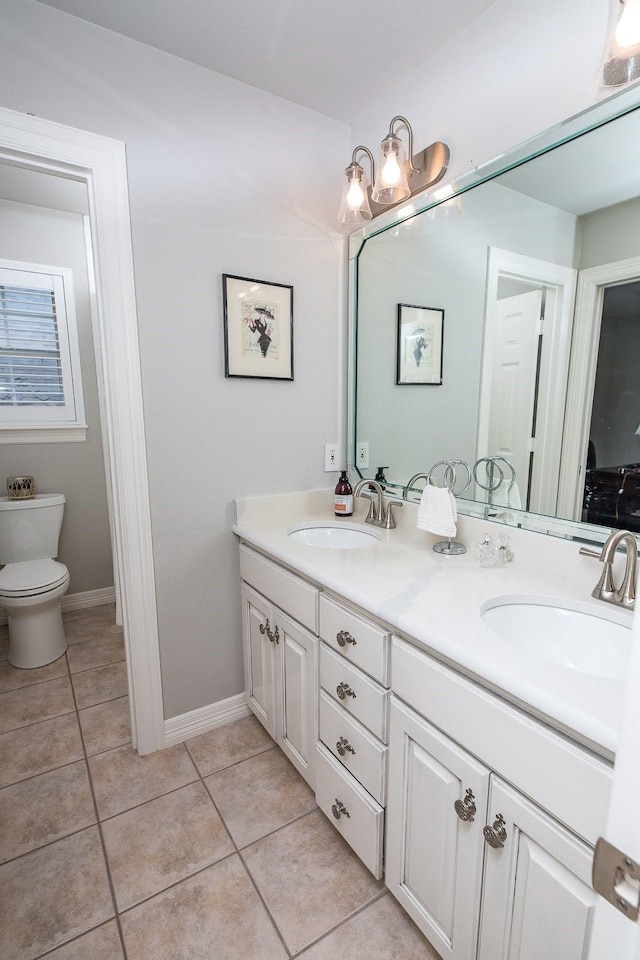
pixel 435 601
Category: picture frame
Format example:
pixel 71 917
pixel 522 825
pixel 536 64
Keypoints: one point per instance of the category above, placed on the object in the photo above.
pixel 419 345
pixel 258 328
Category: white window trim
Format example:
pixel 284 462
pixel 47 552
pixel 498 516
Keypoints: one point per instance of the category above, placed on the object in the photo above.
pixel 63 430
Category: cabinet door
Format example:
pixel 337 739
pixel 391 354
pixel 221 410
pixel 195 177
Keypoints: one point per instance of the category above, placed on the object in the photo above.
pixel 296 694
pixel 537 897
pixel 259 656
pixel 433 857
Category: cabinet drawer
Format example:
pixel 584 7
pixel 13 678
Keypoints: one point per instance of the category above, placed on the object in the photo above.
pixel 370 703
pixel 290 593
pixel 366 645
pixel 362 754
pixel 350 809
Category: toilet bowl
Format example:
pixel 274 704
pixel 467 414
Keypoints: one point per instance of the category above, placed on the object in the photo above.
pixel 31 581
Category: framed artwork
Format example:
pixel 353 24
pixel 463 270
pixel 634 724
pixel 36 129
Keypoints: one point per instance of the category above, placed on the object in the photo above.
pixel 258 328
pixel 419 345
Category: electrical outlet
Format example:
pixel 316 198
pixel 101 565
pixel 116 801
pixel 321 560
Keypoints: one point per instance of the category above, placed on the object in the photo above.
pixel 331 457
pixel 362 454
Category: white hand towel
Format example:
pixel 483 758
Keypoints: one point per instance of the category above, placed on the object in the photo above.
pixel 507 494
pixel 437 511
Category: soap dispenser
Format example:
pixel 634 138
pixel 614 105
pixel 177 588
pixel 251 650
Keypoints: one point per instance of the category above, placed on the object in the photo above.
pixel 343 500
pixel 380 477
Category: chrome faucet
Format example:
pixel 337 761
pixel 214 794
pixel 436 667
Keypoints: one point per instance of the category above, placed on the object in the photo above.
pixel 380 515
pixel 605 589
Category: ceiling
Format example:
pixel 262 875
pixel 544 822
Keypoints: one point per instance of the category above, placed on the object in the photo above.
pixel 336 57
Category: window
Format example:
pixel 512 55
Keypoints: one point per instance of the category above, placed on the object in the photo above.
pixel 40 380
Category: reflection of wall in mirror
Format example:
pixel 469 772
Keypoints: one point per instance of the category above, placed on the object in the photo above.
pixel 439 262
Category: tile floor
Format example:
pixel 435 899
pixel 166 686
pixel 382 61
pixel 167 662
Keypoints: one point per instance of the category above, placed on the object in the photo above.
pixel 210 850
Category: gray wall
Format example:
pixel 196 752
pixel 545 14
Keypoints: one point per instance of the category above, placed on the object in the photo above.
pixel 56 238
pixel 222 179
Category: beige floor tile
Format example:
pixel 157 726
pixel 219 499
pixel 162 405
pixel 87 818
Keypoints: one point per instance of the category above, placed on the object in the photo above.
pixel 228 744
pixel 382 930
pixel 259 795
pixel 52 895
pixel 18 708
pixel 105 726
pixel 95 653
pixel 14 678
pixel 122 779
pixel 166 840
pixel 216 914
pixel 91 624
pixel 104 683
pixel 309 878
pixel 45 808
pixel 31 750
pixel 102 943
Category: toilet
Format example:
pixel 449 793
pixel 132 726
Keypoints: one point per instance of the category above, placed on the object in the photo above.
pixel 32 582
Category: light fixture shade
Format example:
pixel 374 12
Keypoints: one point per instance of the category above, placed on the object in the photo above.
pixel 391 184
pixel 622 55
pixel 354 203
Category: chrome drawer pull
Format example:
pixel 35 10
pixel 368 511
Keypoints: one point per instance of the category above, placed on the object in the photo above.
pixel 466 809
pixel 344 637
pixel 496 835
pixel 343 746
pixel 338 809
pixel 344 690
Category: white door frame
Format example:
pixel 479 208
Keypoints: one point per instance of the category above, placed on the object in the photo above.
pixel 556 343
pixel 582 377
pixel 100 162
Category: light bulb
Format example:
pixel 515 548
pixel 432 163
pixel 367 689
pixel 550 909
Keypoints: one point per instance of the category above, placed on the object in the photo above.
pixel 355 195
pixel 391 172
pixel 627 33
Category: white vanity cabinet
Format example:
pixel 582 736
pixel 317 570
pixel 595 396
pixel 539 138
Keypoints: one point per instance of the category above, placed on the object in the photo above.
pixel 280 657
pixel 483 870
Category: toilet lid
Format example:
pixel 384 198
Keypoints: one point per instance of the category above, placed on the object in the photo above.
pixel 31 576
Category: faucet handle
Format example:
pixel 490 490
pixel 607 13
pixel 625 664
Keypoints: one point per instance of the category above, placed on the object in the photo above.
pixel 372 515
pixel 390 521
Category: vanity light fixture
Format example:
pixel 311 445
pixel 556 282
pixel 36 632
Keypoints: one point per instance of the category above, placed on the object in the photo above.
pixel 397 177
pixel 622 64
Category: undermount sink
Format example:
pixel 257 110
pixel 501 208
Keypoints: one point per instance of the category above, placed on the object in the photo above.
pixel 568 633
pixel 334 536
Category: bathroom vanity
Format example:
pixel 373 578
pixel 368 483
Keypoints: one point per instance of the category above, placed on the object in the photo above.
pixel 472 773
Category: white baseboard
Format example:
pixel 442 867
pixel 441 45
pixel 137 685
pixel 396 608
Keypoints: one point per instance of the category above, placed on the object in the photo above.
pixel 177 729
pixel 78 601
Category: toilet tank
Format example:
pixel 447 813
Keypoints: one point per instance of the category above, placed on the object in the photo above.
pixel 29 529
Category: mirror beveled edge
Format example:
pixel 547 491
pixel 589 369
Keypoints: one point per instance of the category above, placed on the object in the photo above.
pixel 591 118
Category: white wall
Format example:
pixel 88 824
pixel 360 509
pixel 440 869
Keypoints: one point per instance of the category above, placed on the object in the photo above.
pixel 519 68
pixel 223 179
pixel 37 235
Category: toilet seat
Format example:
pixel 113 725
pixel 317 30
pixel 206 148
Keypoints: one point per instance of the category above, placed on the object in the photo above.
pixel 31 578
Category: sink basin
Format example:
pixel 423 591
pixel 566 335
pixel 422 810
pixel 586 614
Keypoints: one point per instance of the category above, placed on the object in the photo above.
pixel 568 633
pixel 334 536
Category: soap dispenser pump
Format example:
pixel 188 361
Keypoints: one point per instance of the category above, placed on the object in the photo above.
pixel 380 477
pixel 343 500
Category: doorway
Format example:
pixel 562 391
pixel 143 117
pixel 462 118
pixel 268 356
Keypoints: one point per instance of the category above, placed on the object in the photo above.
pixel 99 162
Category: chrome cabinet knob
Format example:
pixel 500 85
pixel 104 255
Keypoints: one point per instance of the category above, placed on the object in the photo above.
pixel 466 809
pixel 344 690
pixel 338 809
pixel 344 637
pixel 495 835
pixel 343 746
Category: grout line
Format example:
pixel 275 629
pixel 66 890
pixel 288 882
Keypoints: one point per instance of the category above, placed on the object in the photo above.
pixel 341 923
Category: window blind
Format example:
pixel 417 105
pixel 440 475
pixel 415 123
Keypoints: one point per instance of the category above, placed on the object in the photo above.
pixel 30 368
